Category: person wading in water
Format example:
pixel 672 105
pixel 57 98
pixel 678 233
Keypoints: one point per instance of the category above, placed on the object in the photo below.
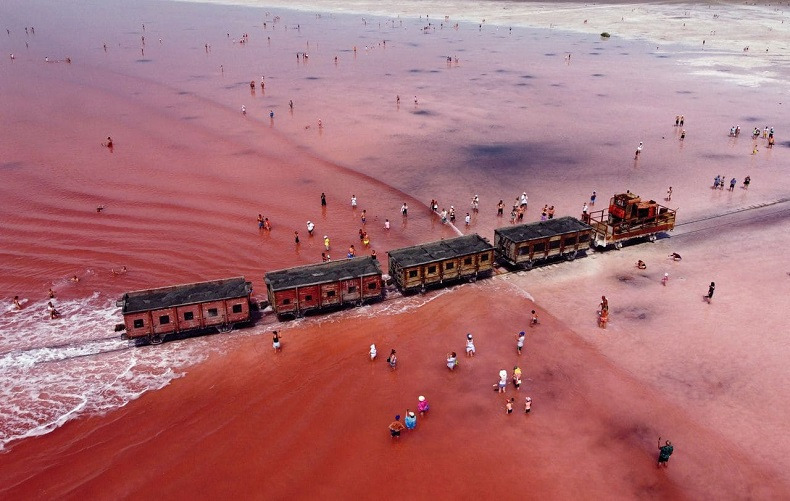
pixel 664 451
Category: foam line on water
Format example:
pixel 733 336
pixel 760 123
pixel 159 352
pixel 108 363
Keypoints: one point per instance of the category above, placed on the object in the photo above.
pixel 52 371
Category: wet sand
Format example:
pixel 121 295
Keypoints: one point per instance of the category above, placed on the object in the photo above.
pixel 188 175
pixel 311 421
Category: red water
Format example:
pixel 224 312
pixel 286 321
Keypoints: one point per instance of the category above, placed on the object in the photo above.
pixel 188 175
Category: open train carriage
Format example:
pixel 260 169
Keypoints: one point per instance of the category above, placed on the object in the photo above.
pixel 629 217
pixel 325 286
pixel 525 244
pixel 437 263
pixel 153 314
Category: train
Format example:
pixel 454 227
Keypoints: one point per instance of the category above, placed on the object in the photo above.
pixel 220 305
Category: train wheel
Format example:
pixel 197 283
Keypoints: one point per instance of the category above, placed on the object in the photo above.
pixel 156 339
pixel 652 237
pixel 571 256
pixel 225 328
pixel 618 245
pixel 528 265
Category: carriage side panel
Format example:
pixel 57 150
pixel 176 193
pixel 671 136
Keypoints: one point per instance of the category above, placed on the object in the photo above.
pixel 164 321
pixel 350 290
pixel 284 301
pixel 189 317
pixel 371 287
pixel 431 273
pixel 412 277
pixel 330 294
pixel 213 313
pixel 238 309
pixel 450 269
pixel 309 297
pixel 138 324
pixel 485 261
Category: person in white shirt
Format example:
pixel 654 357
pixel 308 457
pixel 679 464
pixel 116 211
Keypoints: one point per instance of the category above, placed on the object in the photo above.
pixel 470 346
pixel 452 360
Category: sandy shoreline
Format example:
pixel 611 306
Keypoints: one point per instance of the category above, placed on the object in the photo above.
pixel 189 174
pixel 726 26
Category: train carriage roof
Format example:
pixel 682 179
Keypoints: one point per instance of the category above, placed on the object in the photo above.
pixel 313 274
pixel 180 295
pixel 439 250
pixel 542 229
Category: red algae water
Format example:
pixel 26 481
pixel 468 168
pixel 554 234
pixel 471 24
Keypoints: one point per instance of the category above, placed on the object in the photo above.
pixel 392 110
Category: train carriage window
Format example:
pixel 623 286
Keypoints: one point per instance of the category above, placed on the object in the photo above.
pixel 352 289
pixel 373 285
pixel 523 250
pixel 584 237
pixel 139 323
pixel 330 293
pixel 286 301
pixel 237 308
pixel 468 260
pixel 432 269
pixel 212 312
pixel 412 273
pixel 189 315
pixel 539 247
pixel 308 297
pixel 449 266
pixel 484 257
pixel 164 319
pixel 554 244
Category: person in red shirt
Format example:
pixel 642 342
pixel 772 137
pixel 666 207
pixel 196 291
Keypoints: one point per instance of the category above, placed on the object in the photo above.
pixel 396 427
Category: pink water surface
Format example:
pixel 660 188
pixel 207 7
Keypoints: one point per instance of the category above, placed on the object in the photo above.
pixel 188 174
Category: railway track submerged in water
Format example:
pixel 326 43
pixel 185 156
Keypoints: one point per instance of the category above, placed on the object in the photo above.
pixel 735 216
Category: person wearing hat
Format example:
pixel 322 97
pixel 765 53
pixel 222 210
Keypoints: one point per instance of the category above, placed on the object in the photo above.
pixel 326 242
pixel 470 346
pixel 422 406
pixel 373 353
pixel 520 341
pixel 396 427
pixel 310 228
pixel 411 420
pixel 517 377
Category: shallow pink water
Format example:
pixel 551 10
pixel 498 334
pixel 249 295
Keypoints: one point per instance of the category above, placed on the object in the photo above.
pixel 188 174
